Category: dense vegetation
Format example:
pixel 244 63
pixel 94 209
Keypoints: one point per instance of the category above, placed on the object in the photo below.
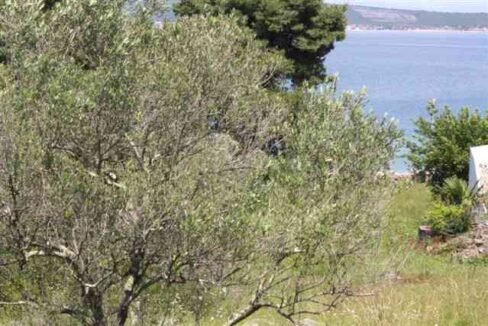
pixel 151 175
pixel 440 153
pixel 149 172
pixel 305 30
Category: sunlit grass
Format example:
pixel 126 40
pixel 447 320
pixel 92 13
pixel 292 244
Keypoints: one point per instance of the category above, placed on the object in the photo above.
pixel 447 298
pixel 427 289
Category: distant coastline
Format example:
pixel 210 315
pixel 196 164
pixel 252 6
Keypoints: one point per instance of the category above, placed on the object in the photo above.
pixel 377 19
pixel 356 28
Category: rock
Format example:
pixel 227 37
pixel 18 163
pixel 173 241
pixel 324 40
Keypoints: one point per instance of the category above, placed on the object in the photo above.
pixel 471 245
pixel 425 232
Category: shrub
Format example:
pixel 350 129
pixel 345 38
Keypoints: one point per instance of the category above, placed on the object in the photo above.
pixel 443 141
pixel 455 191
pixel 449 219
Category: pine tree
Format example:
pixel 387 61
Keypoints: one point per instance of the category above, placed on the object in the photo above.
pixel 305 30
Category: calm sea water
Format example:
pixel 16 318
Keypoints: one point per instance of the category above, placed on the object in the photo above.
pixel 404 70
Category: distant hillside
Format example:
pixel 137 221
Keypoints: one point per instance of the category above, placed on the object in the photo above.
pixel 362 17
pixel 381 18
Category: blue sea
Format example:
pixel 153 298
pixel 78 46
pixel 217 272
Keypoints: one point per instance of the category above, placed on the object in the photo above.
pixel 403 70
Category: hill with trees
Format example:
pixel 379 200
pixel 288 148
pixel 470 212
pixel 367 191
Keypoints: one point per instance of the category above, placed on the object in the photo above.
pixel 362 17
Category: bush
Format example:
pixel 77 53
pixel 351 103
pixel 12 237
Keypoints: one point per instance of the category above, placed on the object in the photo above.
pixel 443 141
pixel 455 191
pixel 449 219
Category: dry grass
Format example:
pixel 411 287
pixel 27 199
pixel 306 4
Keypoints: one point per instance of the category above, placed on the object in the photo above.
pixel 458 299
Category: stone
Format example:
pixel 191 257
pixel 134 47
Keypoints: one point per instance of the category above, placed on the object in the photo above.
pixel 425 232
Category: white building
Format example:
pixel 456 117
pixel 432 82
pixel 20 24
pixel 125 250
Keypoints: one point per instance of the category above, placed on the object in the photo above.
pixel 478 169
pixel 478 174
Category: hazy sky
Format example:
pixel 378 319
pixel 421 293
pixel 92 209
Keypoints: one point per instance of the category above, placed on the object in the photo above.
pixel 436 5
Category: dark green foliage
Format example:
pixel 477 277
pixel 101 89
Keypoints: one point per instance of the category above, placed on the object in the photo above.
pixel 443 141
pixel 3 55
pixel 305 30
pixel 49 4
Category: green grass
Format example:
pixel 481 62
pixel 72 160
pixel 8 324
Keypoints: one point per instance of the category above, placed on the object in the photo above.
pixel 430 290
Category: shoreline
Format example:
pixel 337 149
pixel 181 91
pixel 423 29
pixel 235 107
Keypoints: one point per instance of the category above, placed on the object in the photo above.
pixel 438 30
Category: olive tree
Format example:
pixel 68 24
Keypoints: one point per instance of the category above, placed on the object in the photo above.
pixel 120 148
pixel 139 162
pixel 324 208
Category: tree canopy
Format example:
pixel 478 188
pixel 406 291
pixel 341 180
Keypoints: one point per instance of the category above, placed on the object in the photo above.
pixel 305 30
pixel 442 142
pixel 135 178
